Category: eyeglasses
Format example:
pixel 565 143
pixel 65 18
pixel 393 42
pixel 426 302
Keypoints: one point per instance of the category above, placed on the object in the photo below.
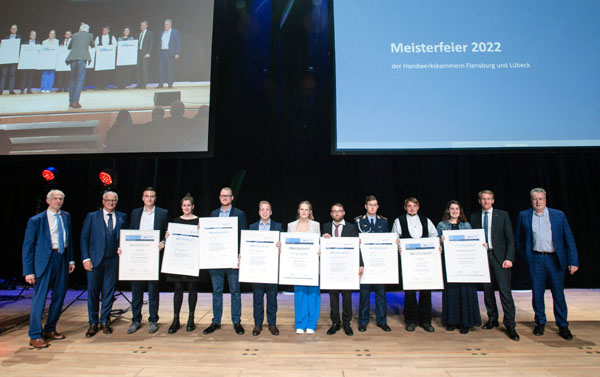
pixel 225 196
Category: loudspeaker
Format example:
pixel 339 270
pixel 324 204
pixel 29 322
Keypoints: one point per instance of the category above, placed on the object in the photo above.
pixel 166 98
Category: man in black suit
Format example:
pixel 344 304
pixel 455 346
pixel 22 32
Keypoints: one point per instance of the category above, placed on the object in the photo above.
pixel 9 70
pixel 145 41
pixel 217 276
pixel 339 228
pixel 148 217
pixel 27 74
pixel 501 255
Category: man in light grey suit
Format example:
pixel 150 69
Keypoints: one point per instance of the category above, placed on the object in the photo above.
pixel 78 58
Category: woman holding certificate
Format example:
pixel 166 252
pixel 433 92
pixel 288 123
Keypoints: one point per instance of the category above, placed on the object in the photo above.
pixel 460 306
pixel 48 74
pixel 307 299
pixel 181 281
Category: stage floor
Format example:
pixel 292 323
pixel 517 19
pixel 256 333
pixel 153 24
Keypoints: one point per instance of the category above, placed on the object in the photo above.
pixel 373 353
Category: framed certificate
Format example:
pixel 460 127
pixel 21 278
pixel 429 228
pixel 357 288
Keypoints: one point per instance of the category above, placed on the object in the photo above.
pixel 465 256
pixel 127 52
pixel 421 264
pixel 140 254
pixel 106 57
pixel 340 263
pixel 259 257
pixel 299 259
pixel 29 57
pixel 9 51
pixel 380 256
pixel 181 250
pixel 218 242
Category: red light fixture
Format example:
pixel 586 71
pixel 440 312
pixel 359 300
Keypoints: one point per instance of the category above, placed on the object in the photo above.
pixel 105 178
pixel 49 174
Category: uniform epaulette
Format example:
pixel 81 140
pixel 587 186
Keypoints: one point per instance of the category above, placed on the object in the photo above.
pixel 381 217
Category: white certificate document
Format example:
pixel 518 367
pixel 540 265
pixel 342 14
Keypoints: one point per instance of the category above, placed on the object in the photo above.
pixel 380 256
pixel 29 57
pixel 340 263
pixel 127 52
pixel 9 51
pixel 259 257
pixel 61 56
pixel 92 63
pixel 421 264
pixel 218 242
pixel 466 257
pixel 139 257
pixel 181 250
pixel 299 259
pixel 106 57
pixel 47 58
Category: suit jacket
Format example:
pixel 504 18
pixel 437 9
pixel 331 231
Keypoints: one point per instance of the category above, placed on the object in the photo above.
pixel 147 43
pixel 26 42
pixel 503 240
pixel 313 226
pixel 79 46
pixel 161 221
pixel 242 222
pixel 562 237
pixel 37 246
pixel 16 37
pixel 174 42
pixel 275 226
pixel 93 236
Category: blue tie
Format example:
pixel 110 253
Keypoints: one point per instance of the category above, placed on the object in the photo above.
pixel 110 223
pixel 486 224
pixel 61 240
pixel 372 222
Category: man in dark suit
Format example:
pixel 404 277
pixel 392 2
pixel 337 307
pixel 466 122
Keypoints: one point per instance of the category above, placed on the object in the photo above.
pixel 259 289
pixel 9 70
pixel 148 217
pixel 371 222
pixel 48 259
pixel 78 59
pixel 169 45
pixel 27 74
pixel 63 78
pixel 145 41
pixel 217 276
pixel 339 228
pixel 545 240
pixel 99 244
pixel 501 255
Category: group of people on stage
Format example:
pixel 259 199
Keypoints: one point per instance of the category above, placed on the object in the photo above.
pixel 168 50
pixel 542 237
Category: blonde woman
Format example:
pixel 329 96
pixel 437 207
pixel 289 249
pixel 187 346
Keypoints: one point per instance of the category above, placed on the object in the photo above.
pixel 307 299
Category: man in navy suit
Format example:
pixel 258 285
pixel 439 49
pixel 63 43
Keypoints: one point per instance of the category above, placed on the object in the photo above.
pixel 148 217
pixel 217 276
pixel 371 222
pixel 9 70
pixel 99 244
pixel 544 238
pixel 259 289
pixel 169 46
pixel 48 259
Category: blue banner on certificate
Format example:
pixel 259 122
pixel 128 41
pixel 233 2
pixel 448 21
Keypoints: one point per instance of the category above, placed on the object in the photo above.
pixel 299 259
pixel 139 255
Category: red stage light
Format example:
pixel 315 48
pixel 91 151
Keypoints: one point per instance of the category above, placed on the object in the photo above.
pixel 48 175
pixel 105 178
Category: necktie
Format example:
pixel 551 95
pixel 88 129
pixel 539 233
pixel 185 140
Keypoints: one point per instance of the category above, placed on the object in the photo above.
pixel 486 224
pixel 61 240
pixel 110 223
pixel 372 222
pixel 336 232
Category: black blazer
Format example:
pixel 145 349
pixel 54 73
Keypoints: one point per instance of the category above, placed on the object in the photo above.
pixel 160 220
pixel 147 43
pixel 349 230
pixel 503 240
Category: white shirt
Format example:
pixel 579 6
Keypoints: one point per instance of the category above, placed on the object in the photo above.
pixel 53 223
pixel 414 227
pixel 106 218
pixel 66 42
pixel 489 230
pixel 142 38
pixel 106 40
pixel 147 220
pixel 340 228
pixel 165 40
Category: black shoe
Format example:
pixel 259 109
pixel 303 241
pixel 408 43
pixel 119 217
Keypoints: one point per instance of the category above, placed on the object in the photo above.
pixel 238 328
pixel 385 327
pixel 362 328
pixel 464 330
pixel 565 333
pixel 427 327
pixel 257 330
pixel 538 330
pixel 190 325
pixel 274 330
pixel 490 324
pixel 451 327
pixel 512 333
pixel 410 327
pixel 333 329
pixel 210 329
pixel 174 326
pixel 348 330
pixel 92 330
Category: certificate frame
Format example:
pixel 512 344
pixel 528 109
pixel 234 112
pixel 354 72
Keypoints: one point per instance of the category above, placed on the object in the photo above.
pixel 340 263
pixel 139 257
pixel 106 57
pixel 259 257
pixel 299 259
pixel 380 256
pixel 10 51
pixel 28 58
pixel 465 256
pixel 127 52
pixel 218 242
pixel 180 256
pixel 421 264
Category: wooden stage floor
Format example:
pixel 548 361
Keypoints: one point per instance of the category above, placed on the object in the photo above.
pixel 373 353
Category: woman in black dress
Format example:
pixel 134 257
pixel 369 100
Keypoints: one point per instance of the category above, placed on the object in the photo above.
pixel 460 306
pixel 182 281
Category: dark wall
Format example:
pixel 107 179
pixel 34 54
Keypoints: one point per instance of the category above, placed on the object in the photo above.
pixel 273 141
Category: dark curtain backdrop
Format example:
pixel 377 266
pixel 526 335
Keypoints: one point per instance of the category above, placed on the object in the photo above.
pixel 272 110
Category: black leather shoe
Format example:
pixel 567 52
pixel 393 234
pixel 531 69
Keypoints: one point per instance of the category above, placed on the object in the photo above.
pixel 106 329
pixel 490 324
pixel 512 334
pixel 464 330
pixel 565 333
pixel 210 329
pixel 385 327
pixel 427 327
pixel 538 330
pixel 274 330
pixel 333 329
pixel 238 328
pixel 257 330
pixel 348 330
pixel 190 325
pixel 174 326
pixel 410 327
pixel 451 327
pixel 362 328
pixel 92 330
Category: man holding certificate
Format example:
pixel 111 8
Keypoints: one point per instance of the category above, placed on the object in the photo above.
pixel 413 225
pixel 339 228
pixel 148 217
pixel 10 70
pixel 217 276
pixel 259 289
